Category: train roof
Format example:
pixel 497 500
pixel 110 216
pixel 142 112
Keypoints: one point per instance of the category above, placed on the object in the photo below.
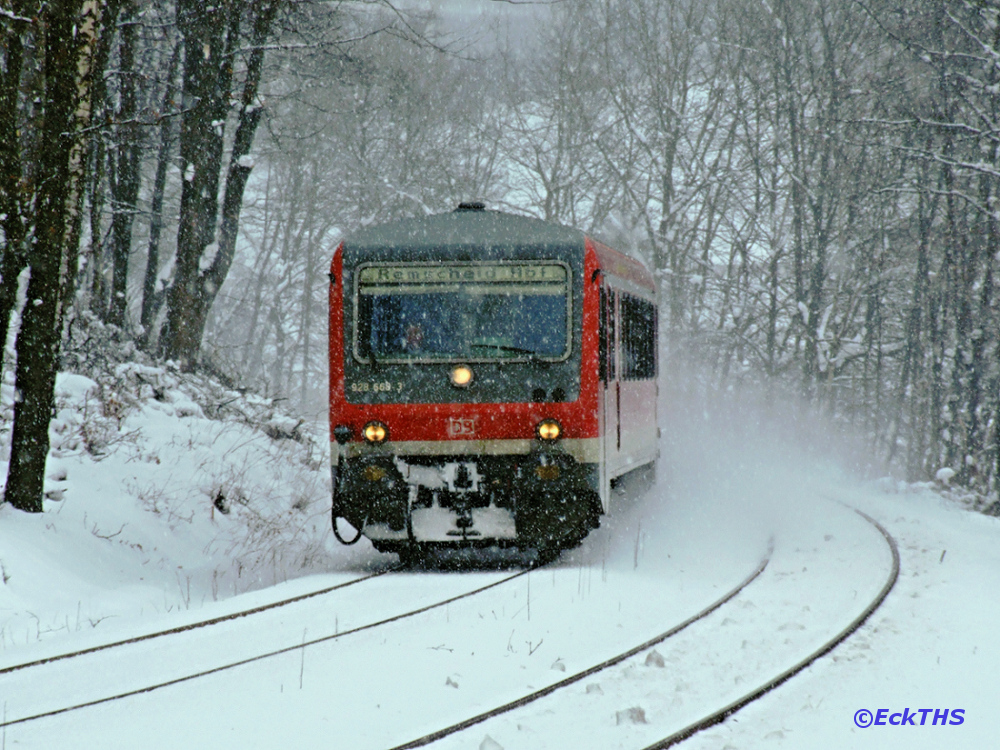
pixel 624 265
pixel 465 226
pixel 471 224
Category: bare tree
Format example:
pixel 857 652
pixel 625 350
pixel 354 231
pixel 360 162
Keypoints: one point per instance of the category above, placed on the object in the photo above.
pixel 13 259
pixel 68 31
pixel 368 130
pixel 213 39
pixel 125 179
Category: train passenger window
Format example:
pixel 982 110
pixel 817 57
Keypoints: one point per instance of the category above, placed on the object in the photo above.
pixel 602 339
pixel 471 312
pixel 612 339
pixel 639 333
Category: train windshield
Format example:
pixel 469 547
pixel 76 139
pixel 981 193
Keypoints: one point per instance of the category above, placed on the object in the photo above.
pixel 462 311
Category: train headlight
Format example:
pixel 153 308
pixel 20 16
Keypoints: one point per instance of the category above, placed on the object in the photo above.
pixel 375 432
pixel 461 376
pixel 548 430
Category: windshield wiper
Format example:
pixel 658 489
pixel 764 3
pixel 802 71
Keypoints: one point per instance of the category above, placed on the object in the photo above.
pixel 532 356
pixel 504 348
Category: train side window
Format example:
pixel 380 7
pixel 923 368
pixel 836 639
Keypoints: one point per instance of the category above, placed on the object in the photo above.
pixel 612 339
pixel 602 339
pixel 629 333
pixel 639 324
pixel 654 360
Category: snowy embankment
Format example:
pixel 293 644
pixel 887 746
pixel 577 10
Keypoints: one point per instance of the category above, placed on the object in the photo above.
pixel 164 492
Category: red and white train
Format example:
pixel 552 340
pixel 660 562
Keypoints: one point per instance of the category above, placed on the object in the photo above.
pixel 490 375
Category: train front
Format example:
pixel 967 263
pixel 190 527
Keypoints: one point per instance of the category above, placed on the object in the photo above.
pixel 459 410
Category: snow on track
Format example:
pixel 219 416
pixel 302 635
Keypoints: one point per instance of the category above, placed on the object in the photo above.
pixel 820 578
pixel 932 645
pixel 49 655
pixel 143 665
pixel 385 686
pixel 593 670
pixel 651 566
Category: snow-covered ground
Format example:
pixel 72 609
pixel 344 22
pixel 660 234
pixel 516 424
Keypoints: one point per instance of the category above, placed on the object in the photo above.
pixel 164 494
pixel 138 541
pixel 932 645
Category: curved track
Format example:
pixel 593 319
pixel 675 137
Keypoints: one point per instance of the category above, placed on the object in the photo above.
pixel 7 722
pixel 717 717
pixel 617 659
pixel 194 625
pixel 551 711
pixel 680 726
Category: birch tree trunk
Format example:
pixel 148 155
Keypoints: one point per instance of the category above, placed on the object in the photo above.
pixel 70 29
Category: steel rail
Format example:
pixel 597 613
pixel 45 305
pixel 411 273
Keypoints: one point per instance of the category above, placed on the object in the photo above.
pixel 531 697
pixel 267 655
pixel 717 717
pixel 712 719
pixel 194 625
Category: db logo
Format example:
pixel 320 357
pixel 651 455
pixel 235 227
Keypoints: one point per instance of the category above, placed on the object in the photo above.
pixel 461 426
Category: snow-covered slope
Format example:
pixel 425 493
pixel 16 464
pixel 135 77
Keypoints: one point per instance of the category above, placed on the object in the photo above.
pixel 164 491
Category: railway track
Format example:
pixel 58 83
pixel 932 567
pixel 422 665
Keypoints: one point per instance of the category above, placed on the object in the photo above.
pixel 458 730
pixel 720 715
pixel 208 622
pixel 605 664
pixel 695 628
pixel 8 721
pixel 194 625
